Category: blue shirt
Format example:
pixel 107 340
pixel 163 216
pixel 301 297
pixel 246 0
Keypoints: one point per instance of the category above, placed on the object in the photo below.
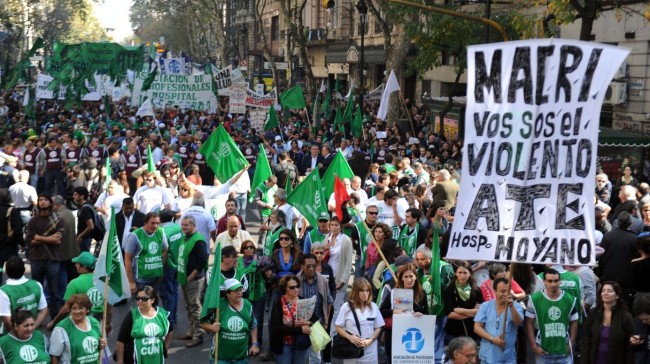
pixel 487 315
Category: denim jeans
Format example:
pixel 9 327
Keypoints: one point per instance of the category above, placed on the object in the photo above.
pixel 291 356
pixel 84 246
pixel 50 179
pixel 258 311
pixel 169 293
pixel 242 202
pixel 338 302
pixel 553 359
pixel 439 340
pixel 314 356
pixel 43 270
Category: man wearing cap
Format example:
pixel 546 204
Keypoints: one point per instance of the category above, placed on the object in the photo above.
pixel 145 254
pixel 229 267
pixel 192 260
pixel 83 284
pixel 278 147
pixel 236 325
pixel 169 285
pixel 20 292
pixel 319 233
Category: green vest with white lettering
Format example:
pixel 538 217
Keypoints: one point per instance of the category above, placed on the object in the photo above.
pixel 84 285
pixel 270 241
pixel 149 335
pixel 84 345
pixel 26 296
pixel 553 321
pixel 150 261
pixel 174 234
pixel 364 241
pixel 570 282
pixel 409 242
pixel 234 335
pixel 255 289
pixel 32 351
pixel 184 255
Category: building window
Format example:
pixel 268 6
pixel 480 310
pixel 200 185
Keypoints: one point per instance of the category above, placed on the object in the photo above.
pixel 275 28
pixel 426 87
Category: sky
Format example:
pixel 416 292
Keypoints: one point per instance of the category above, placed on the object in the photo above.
pixel 114 14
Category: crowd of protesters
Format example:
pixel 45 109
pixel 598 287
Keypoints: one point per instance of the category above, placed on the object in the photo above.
pixel 64 171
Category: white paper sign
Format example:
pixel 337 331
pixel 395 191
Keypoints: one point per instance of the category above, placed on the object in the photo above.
pixel 43 82
pixel 257 118
pixel 529 162
pixel 413 339
pixel 238 98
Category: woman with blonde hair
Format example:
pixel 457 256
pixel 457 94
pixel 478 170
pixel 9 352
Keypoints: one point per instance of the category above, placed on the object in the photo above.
pixel 367 313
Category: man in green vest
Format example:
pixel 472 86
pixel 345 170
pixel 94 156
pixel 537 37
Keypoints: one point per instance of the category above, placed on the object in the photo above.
pixel 83 284
pixel 318 234
pixel 169 284
pixel 20 292
pixel 411 234
pixel 556 314
pixel 570 283
pixel 145 254
pixel 192 260
pixel 361 239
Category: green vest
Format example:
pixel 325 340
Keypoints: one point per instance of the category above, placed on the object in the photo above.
pixel 389 167
pixel 149 336
pixel 316 237
pixel 267 198
pixel 183 255
pixel 84 345
pixel 26 296
pixel 553 321
pixel 84 285
pixel 150 261
pixel 174 234
pixel 255 282
pixel 234 336
pixel 32 351
pixel 409 242
pixel 570 282
pixel 270 241
pixel 446 273
pixel 364 241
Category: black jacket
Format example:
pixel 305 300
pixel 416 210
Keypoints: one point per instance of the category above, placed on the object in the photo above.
pixel 138 221
pixel 306 163
pixel 618 348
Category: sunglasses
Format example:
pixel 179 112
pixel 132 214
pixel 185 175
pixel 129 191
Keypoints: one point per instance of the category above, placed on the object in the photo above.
pixel 150 180
pixel 293 287
pixel 249 247
pixel 319 253
pixel 284 238
pixel 142 298
pixel 372 212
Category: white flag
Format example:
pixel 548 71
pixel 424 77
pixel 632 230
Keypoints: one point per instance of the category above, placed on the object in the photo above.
pixel 350 91
pixel 146 109
pixel 26 97
pixel 322 87
pixel 391 87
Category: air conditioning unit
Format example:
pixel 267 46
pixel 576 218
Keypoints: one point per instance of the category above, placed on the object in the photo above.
pixel 616 93
pixel 621 72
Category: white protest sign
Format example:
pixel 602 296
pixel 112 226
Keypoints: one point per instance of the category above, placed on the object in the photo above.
pixel 253 99
pixel 527 185
pixel 257 118
pixel 43 82
pixel 192 92
pixel 413 339
pixel 238 93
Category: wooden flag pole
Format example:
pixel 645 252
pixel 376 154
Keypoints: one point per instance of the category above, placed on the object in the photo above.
pixel 216 340
pixel 408 113
pixel 505 314
pixel 101 351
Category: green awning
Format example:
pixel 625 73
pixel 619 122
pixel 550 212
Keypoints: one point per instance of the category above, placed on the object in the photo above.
pixel 620 138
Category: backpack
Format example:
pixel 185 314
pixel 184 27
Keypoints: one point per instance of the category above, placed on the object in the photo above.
pixel 100 230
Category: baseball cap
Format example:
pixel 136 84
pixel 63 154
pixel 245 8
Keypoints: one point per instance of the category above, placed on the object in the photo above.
pixel 86 259
pixel 232 284
pixel 323 216
pixel 277 137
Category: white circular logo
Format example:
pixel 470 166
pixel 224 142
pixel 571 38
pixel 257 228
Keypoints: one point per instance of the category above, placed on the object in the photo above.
pixel 554 313
pixel 249 151
pixel 95 153
pixel 151 330
pixel 183 149
pixel 28 158
pixel 90 344
pixel 381 152
pixel 94 296
pixel 28 353
pixel 71 154
pixel 153 247
pixel 132 158
pixel 198 156
pixel 53 154
pixel 235 324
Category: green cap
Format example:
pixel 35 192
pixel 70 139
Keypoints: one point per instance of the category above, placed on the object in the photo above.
pixel 323 216
pixel 86 259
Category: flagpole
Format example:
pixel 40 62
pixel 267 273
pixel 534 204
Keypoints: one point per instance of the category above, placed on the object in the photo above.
pixel 216 337
pixel 381 254
pixel 101 351
pixel 308 121
pixel 408 113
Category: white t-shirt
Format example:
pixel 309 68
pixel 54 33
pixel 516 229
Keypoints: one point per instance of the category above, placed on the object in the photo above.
pixel 387 215
pixel 108 201
pixel 369 320
pixel 150 199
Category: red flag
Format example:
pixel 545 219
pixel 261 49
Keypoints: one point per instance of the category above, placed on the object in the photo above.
pixel 340 196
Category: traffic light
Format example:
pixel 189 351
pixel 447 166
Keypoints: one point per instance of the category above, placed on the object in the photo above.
pixel 328 4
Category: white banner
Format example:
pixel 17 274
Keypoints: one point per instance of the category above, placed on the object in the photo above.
pixel 43 82
pixel 253 99
pixel 257 118
pixel 173 66
pixel 192 92
pixel 226 78
pixel 527 186
pixel 413 339
pixel 238 92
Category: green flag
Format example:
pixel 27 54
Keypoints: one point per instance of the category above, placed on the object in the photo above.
pixel 151 166
pixel 222 155
pixel 308 198
pixel 327 105
pixel 213 292
pixel 271 119
pixel 148 81
pixel 434 271
pixel 262 171
pixel 288 186
pixel 293 98
pixel 30 109
pixel 208 71
pixel 349 107
pixel 357 123
pixel 107 106
pixel 110 265
pixel 338 119
pixel 339 167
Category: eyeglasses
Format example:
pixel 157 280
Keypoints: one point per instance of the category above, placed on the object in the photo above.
pixel 142 298
pixel 318 253
pixel 372 212
pixel 284 238
pixel 150 179
pixel 293 287
pixel 249 247
pixel 468 356
pixel 310 266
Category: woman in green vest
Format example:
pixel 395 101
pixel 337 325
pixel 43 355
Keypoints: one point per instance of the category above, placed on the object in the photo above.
pixel 256 293
pixel 77 338
pixel 142 336
pixel 23 344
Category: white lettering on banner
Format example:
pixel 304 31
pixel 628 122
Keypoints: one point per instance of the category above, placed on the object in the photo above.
pixel 43 92
pixel 186 91
pixel 533 110
pixel 413 339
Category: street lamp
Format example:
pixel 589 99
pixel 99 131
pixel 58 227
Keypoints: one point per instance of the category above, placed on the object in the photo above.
pixel 363 19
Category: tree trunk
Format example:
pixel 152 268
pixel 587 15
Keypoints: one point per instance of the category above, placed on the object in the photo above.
pixel 395 58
